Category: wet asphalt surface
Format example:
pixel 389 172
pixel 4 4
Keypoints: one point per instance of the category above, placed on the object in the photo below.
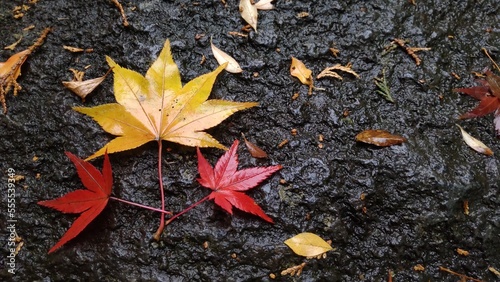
pixel 385 209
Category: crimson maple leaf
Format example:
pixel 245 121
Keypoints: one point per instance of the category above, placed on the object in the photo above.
pixel 489 95
pixel 228 183
pixel 89 203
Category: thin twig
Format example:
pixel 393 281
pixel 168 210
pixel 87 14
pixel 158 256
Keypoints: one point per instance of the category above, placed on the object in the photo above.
pixel 186 210
pixel 139 205
pixel 411 50
pixel 462 276
pixel 122 12
pixel 486 52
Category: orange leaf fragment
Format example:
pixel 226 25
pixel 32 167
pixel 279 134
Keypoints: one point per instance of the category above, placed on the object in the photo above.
pixel 254 150
pixel 300 71
pixel 81 87
pixel 11 69
pixel 378 137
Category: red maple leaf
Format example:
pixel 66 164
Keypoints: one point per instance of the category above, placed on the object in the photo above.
pixel 489 96
pixel 228 183
pixel 89 203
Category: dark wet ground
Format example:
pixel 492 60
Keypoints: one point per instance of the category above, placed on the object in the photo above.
pixel 412 211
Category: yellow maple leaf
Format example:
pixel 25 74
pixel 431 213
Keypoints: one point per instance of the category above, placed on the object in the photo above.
pixel 157 107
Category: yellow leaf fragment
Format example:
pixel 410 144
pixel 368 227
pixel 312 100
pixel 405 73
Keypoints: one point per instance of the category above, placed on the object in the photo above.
pixel 300 71
pixel 81 87
pixel 308 245
pixel 222 57
pixel 330 71
pixel 157 107
pixel 249 13
pixel 264 5
pixel 475 144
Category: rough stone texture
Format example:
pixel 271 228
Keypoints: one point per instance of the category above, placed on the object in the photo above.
pixel 414 192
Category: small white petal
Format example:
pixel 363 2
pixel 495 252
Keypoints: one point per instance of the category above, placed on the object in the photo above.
pixel 249 13
pixel 264 5
pixel 475 144
pixel 222 57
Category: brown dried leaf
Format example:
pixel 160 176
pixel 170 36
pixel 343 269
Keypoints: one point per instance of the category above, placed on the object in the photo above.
pixel 81 87
pixel 222 57
pixel 300 71
pixel 249 13
pixel 379 138
pixel 254 150
pixel 475 144
pixel 465 205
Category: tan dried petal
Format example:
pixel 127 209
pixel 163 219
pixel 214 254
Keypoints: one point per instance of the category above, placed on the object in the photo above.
pixel 264 5
pixel 85 87
pixel 222 57
pixel 475 144
pixel 249 13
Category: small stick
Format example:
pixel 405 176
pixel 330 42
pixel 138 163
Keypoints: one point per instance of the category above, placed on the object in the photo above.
pixel 122 12
pixel 462 276
pixel 488 55
pixel 411 50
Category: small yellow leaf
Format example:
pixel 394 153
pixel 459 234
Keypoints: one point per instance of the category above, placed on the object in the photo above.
pixel 300 71
pixel 222 57
pixel 249 13
pixel 308 244
pixel 475 144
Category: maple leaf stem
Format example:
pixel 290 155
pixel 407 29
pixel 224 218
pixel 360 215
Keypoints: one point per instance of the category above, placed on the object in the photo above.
pixel 140 205
pixel 187 209
pixel 158 232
